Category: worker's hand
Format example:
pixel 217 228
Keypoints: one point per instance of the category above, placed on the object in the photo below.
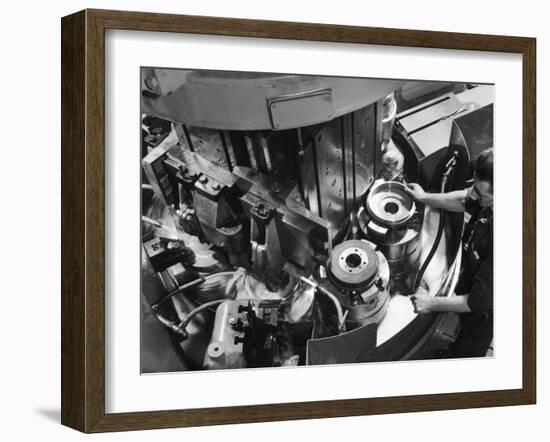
pixel 416 192
pixel 422 303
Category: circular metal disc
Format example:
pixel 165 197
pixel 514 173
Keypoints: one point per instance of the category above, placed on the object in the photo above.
pixel 354 263
pixel 389 204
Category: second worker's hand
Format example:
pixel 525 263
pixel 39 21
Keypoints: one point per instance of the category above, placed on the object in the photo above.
pixel 422 303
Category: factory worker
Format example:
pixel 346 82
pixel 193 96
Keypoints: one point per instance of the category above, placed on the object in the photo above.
pixel 474 300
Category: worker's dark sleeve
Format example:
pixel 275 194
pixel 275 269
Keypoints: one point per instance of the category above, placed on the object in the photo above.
pixel 480 299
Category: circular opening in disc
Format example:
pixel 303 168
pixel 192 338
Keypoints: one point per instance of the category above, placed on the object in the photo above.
pixel 353 260
pixel 391 208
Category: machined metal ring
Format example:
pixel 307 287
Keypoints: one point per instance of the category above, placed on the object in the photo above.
pixel 389 204
pixel 354 264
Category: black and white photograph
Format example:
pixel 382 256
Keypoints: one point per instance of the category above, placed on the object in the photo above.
pixel 293 220
pixel 244 221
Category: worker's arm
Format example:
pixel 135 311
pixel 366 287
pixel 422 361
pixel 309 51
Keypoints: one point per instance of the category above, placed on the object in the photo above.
pixel 452 201
pixel 479 300
pixel 424 303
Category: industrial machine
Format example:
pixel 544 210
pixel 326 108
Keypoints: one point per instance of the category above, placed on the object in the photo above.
pixel 276 226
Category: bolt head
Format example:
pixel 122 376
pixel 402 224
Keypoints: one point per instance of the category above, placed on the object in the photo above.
pixel 216 349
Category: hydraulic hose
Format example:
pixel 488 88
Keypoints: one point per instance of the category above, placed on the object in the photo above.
pixel 156 305
pixel 180 328
pixel 185 322
pixel 339 312
pixel 444 180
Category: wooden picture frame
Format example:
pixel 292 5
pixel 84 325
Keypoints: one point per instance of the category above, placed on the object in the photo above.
pixel 83 216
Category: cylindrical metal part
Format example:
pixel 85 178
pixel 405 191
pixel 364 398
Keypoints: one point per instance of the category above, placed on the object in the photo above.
pixel 226 345
pixel 401 247
pixel 390 221
pixel 389 204
pixel 354 264
pixel 360 275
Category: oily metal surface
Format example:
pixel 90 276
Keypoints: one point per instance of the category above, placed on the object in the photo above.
pixel 255 101
pixel 400 328
pixel 389 204
pixel 337 165
pixel 398 243
pixel 354 263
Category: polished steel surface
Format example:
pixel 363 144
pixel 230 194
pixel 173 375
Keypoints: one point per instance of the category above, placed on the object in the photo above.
pixel 353 260
pixel 389 204
pixel 255 101
pixel 354 264
pixel 399 328
pixel 359 278
pixel 275 182
pixel 225 349
pixel 337 165
pixel 392 223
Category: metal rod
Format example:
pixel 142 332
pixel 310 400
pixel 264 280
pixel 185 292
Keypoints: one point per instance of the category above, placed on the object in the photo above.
pixel 152 221
pixel 300 158
pixel 188 138
pixel 250 150
pixel 324 291
pixel 316 175
pixel 267 156
pixel 226 151
pixel 171 325
pixel 343 143
pixel 353 171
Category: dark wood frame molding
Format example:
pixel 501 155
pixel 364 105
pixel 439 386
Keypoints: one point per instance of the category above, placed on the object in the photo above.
pixel 83 216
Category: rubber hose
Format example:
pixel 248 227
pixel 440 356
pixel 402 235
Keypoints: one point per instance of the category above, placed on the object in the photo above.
pixel 437 240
